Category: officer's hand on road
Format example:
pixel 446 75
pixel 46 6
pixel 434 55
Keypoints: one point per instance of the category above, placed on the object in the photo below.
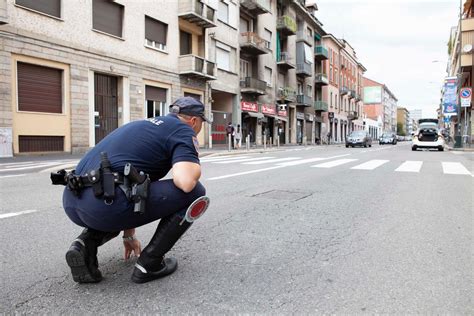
pixel 132 247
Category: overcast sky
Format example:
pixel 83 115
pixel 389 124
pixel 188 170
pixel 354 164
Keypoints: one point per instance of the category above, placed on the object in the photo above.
pixel 397 41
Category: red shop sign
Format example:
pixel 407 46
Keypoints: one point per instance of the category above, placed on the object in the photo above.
pixel 282 113
pixel 249 107
pixel 268 109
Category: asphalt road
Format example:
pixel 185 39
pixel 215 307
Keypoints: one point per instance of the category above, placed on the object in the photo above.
pixel 363 231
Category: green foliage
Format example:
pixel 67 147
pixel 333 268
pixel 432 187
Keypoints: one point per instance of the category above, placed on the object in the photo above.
pixel 400 130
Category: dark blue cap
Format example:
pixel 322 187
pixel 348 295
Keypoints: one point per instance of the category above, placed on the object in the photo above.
pixel 189 106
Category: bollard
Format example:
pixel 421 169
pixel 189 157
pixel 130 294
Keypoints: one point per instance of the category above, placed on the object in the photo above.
pixel 230 141
pixel 278 142
pixel 247 142
pixel 271 142
pixel 264 141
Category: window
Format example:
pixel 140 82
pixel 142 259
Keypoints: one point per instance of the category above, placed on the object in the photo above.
pixel 336 76
pixel 40 89
pixel 185 43
pixel 49 7
pixel 155 33
pixel 268 76
pixel 268 38
pixel 244 69
pixel 330 56
pixel 107 17
pixel 309 32
pixel 330 100
pixel 309 90
pixel 308 54
pixel 300 88
pixel 155 101
pixel 330 73
pixel 223 12
pixel 223 56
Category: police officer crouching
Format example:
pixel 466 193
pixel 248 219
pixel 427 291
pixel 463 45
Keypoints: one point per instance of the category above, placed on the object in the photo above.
pixel 116 187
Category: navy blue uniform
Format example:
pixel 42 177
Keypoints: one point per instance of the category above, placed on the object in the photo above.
pixel 151 146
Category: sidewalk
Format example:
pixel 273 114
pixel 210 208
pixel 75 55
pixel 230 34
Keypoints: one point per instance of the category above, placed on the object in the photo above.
pixel 470 147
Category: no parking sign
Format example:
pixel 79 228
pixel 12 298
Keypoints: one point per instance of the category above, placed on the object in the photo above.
pixel 465 94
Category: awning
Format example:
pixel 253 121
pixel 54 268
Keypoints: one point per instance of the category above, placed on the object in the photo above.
pixel 256 114
pixel 284 119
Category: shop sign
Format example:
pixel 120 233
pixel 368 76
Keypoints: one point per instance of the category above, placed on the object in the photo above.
pixel 282 113
pixel 268 109
pixel 299 116
pixel 249 106
pixel 309 117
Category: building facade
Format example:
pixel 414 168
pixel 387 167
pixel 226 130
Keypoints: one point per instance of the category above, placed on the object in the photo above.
pixel 344 91
pixel 403 121
pixel 380 101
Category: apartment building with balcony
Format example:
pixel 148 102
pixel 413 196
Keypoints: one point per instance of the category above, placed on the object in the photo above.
pixel 72 72
pixel 343 93
pixel 380 101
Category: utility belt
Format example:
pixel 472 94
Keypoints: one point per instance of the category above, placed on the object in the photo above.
pixel 135 185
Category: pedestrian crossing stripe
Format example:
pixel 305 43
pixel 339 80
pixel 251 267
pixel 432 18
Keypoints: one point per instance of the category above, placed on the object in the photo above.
pixel 454 168
pixel 371 164
pixel 334 163
pixel 410 166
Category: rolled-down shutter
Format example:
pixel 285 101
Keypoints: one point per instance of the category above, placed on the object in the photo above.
pixel 39 88
pixel 51 7
pixel 155 30
pixel 155 94
pixel 107 17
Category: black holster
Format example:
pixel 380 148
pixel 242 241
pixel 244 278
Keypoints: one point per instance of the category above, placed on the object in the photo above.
pixel 137 187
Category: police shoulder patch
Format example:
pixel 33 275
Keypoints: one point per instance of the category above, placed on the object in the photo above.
pixel 196 143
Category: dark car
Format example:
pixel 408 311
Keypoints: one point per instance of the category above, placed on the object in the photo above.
pixel 388 138
pixel 359 138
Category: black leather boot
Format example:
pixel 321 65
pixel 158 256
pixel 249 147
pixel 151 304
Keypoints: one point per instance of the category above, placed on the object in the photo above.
pixel 82 255
pixel 152 264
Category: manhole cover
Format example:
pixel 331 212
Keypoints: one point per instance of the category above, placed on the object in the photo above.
pixel 283 195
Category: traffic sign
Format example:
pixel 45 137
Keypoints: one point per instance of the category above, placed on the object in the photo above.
pixel 465 94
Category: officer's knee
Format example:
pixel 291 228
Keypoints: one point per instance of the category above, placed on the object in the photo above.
pixel 198 191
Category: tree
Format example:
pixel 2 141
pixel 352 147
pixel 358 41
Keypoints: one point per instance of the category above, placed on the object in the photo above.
pixel 400 129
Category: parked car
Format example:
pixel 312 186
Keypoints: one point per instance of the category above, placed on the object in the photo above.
pixel 428 135
pixel 359 138
pixel 388 138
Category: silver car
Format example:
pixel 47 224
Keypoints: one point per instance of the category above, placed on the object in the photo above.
pixel 359 138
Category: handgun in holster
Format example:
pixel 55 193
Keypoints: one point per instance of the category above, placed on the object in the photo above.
pixel 140 185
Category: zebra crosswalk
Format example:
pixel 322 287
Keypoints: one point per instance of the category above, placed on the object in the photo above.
pixel 342 161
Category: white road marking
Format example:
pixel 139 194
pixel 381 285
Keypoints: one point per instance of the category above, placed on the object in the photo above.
pixel 309 160
pixel 454 168
pixel 410 166
pixel 17 213
pixel 334 163
pixel 244 173
pixel 242 160
pixel 269 161
pixel 37 166
pixel 13 175
pixel 59 167
pixel 222 158
pixel 370 165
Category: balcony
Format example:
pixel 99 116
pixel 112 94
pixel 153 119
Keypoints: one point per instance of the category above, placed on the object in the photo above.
pixel 256 7
pixel 284 61
pixel 197 67
pixel 344 91
pixel 252 44
pixel 321 80
pixel 286 95
pixel 197 13
pixel 286 25
pixel 351 94
pixel 253 86
pixel 321 53
pixel 352 115
pixel 320 106
pixel 302 36
pixel 304 100
pixel 304 70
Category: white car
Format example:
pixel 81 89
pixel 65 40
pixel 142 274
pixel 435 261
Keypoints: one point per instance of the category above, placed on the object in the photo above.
pixel 428 135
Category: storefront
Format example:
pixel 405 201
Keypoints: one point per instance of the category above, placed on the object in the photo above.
pixel 269 126
pixel 282 123
pixel 250 119
pixel 309 127
pixel 299 127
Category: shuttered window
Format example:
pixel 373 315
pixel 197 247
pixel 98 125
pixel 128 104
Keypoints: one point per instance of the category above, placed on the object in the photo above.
pixel 155 94
pixel 155 33
pixel 28 144
pixel 107 17
pixel 39 88
pixel 185 43
pixel 50 7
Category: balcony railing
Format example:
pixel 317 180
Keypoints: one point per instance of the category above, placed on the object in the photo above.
pixel 304 70
pixel 305 37
pixel 320 106
pixel 196 12
pixel 321 80
pixel 352 115
pixel 351 94
pixel 321 52
pixel 195 66
pixel 285 61
pixel 286 25
pixel 253 86
pixel 286 94
pixel 251 43
pixel 256 7
pixel 304 100
pixel 344 90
